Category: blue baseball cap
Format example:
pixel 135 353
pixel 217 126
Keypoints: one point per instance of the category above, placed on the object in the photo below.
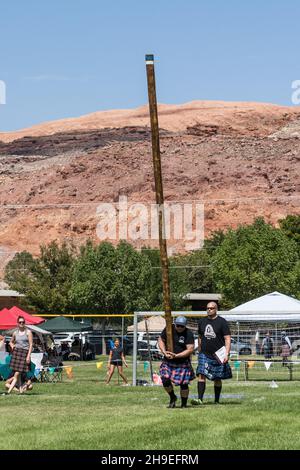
pixel 180 321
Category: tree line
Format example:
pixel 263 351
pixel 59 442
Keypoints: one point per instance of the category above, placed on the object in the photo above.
pixel 241 264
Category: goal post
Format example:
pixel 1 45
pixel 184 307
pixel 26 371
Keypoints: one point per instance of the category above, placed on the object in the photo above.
pixel 247 347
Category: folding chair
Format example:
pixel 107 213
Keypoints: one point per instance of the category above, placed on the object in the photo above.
pixel 52 371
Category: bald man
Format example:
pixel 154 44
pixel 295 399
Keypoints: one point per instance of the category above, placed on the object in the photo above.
pixel 214 334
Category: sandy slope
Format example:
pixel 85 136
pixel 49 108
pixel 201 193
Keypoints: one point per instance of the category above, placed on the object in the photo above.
pixel 254 118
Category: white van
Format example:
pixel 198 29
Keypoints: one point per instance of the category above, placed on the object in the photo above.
pixel 153 337
pixel 67 337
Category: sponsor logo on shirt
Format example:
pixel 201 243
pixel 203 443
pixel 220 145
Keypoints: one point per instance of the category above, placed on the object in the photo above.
pixel 209 332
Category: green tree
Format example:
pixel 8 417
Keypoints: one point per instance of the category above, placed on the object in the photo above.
pixel 254 260
pixel 178 275
pixel 109 280
pixel 291 227
pixel 154 283
pixel 45 280
pixel 199 275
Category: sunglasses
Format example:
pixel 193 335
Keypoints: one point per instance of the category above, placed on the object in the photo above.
pixel 179 326
pixel 211 308
pixel 21 323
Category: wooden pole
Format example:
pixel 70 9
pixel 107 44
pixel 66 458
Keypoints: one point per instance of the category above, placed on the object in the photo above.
pixel 159 196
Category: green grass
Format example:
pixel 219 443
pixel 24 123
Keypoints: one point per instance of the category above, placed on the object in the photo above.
pixel 84 413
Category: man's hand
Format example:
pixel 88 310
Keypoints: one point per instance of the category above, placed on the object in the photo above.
pixel 169 355
pixel 226 358
pixel 28 359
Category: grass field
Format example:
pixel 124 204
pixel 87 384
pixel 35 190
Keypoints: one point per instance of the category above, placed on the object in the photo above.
pixel 84 413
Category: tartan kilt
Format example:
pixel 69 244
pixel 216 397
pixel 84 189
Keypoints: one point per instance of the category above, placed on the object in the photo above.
pixel 18 360
pixel 179 374
pixel 212 369
pixel 285 351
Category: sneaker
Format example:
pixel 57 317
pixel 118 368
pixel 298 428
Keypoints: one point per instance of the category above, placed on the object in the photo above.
pixel 172 403
pixel 196 401
pixel 183 406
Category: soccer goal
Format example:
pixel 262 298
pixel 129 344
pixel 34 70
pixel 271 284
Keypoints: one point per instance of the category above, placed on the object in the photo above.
pixel 258 346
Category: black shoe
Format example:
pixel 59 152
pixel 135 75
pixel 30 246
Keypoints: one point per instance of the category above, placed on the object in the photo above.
pixel 172 403
pixel 183 405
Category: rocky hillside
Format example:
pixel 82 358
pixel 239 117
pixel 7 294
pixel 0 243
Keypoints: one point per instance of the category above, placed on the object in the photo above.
pixel 241 159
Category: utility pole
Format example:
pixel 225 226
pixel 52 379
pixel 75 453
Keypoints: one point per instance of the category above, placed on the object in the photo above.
pixel 159 196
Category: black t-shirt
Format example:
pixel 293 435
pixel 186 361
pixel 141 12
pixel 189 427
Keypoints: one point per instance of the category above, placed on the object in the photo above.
pixel 180 342
pixel 117 354
pixel 212 334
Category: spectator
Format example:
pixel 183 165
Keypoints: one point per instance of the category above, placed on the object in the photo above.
pixel 21 345
pixel 2 343
pixel 267 346
pixel 116 359
pixel 286 348
pixel 257 346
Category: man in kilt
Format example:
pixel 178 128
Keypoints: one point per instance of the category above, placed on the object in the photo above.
pixel 21 345
pixel 214 334
pixel 176 366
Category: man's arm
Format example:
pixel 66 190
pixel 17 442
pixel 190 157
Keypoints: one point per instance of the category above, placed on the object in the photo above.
pixel 162 347
pixel 186 353
pixel 227 339
pixel 199 343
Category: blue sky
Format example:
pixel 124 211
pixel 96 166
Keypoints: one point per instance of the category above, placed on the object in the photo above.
pixel 64 58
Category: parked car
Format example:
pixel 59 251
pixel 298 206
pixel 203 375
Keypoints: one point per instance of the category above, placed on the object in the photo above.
pixel 143 352
pixel 153 337
pixel 238 347
pixel 65 337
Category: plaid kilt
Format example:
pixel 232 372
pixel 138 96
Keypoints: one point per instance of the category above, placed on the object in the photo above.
pixel 212 369
pixel 285 351
pixel 18 360
pixel 179 374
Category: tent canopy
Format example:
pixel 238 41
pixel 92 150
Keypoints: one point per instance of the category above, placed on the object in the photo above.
pixel 63 324
pixel 155 325
pixel 274 303
pixel 270 307
pixel 8 318
pixel 44 336
pixel 35 329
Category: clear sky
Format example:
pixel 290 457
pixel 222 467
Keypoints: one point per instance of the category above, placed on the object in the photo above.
pixel 63 58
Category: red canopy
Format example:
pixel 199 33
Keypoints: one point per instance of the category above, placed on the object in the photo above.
pixel 8 318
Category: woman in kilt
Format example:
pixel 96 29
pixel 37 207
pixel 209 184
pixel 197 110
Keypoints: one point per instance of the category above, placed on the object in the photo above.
pixel 21 346
pixel 176 366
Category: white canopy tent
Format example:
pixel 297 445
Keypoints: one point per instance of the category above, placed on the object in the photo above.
pixel 273 307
